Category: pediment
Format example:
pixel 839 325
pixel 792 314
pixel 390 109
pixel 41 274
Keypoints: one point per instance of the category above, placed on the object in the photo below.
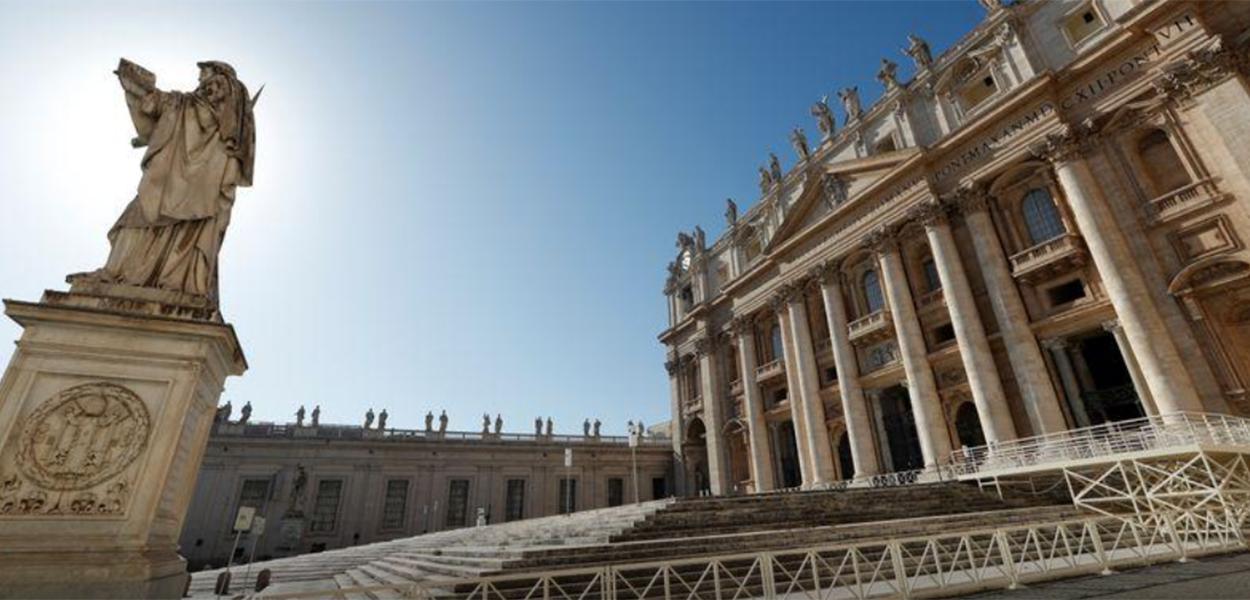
pixel 857 175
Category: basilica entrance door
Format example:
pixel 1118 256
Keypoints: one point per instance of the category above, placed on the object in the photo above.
pixel 900 429
pixel 968 426
pixel 1106 385
pixel 845 461
pixel 788 455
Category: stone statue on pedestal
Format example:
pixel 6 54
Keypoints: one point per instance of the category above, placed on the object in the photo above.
pixel 850 102
pixel 538 426
pixel 223 413
pixel 295 504
pixel 245 414
pixel 201 146
pixel 429 421
pixel 498 424
pixel 382 419
pixel 549 426
pixel 824 117
pixel 774 168
pixel 299 416
pixel 731 212
pixel 586 428
pixel 485 423
pixel 369 418
pixel 918 50
pixel 316 416
pixel 595 428
pixel 442 422
pixel 799 139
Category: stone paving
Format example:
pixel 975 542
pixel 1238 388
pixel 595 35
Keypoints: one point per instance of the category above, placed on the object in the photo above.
pixel 1207 578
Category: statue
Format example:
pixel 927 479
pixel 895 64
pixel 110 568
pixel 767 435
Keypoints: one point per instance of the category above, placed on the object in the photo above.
pixel 918 50
pixel 766 181
pixel 992 6
pixel 498 424
pixel 799 139
pixel 538 426
pixel 485 424
pixel 316 415
pixel 245 414
pixel 299 416
pixel 201 146
pixel 774 168
pixel 223 413
pixel 684 241
pixel 888 75
pixel 586 428
pixel 382 419
pixel 442 422
pixel 835 188
pixel 700 239
pixel 642 430
pixel 429 421
pixel 549 426
pixel 295 504
pixel 368 418
pixel 595 428
pixel 850 102
pixel 731 212
pixel 824 118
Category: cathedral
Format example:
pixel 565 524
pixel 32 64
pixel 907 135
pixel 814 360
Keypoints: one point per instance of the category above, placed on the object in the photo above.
pixel 1042 229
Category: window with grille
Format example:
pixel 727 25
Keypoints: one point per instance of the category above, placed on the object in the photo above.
pixel 326 508
pixel 395 504
pixel 616 491
pixel 457 502
pixel 872 292
pixel 515 505
pixel 568 495
pixel 1041 218
pixel 254 493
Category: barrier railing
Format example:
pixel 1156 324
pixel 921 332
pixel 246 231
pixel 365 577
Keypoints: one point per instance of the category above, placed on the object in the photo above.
pixel 909 567
pixel 1148 433
pixel 356 432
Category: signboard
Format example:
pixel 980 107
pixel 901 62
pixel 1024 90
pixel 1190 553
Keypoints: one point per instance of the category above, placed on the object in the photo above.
pixel 258 525
pixel 243 520
pixel 568 457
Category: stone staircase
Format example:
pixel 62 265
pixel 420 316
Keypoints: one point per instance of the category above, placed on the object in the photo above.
pixel 658 531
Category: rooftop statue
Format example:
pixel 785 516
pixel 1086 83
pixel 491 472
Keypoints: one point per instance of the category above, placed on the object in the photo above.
pixel 766 181
pixel 824 118
pixel 799 139
pixel 850 102
pixel 888 75
pixel 200 147
pixel 918 50
pixel 774 168
pixel 731 212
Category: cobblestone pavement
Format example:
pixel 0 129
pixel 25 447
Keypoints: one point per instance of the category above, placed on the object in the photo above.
pixel 1213 577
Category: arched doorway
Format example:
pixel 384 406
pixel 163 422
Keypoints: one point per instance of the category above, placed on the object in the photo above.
pixel 788 455
pixel 1107 386
pixel 846 463
pixel 695 454
pixel 739 456
pixel 968 426
pixel 902 441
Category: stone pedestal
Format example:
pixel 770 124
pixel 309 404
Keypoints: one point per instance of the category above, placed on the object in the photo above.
pixel 105 411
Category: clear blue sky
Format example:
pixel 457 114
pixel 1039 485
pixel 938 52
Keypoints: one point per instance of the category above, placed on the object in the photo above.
pixel 459 206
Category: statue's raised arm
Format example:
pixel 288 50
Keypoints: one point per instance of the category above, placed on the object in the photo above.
pixel 200 147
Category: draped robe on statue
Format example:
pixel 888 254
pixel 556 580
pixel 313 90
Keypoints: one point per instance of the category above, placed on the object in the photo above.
pixel 199 149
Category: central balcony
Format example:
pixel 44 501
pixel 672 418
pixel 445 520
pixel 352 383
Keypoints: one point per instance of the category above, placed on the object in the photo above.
pixel 770 370
pixel 870 328
pixel 931 301
pixel 1049 258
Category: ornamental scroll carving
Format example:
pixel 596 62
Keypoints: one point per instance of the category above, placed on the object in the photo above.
pixel 72 451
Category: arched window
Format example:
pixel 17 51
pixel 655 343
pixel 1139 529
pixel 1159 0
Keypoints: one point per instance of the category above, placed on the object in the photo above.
pixel 1041 218
pixel 1163 165
pixel 872 291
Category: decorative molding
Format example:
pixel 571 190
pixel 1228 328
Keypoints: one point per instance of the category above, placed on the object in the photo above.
pixel 1071 142
pixel 672 366
pixel 1202 69
pixel 930 213
pixel 835 189
pixel 969 199
pixel 882 240
pixel 742 324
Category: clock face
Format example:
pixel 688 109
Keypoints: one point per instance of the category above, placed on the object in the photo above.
pixel 685 260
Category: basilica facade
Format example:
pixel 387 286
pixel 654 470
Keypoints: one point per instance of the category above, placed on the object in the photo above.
pixel 1043 228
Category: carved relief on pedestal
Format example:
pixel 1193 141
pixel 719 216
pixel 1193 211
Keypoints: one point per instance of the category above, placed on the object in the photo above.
pixel 71 451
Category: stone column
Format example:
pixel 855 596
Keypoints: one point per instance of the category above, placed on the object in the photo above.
pixel 974 347
pixel 926 408
pixel 820 456
pixel 677 431
pixel 1134 370
pixel 792 389
pixel 757 433
pixel 713 416
pixel 1164 372
pixel 854 404
pixel 1040 400
pixel 105 413
pixel 1067 376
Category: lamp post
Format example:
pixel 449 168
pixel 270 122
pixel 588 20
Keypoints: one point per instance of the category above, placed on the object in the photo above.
pixel 634 433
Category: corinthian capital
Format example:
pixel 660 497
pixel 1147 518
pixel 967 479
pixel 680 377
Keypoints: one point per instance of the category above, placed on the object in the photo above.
pixel 968 199
pixel 704 345
pixel 828 271
pixel 1202 69
pixel 882 240
pixel 742 324
pixel 930 213
pixel 672 366
pixel 1071 142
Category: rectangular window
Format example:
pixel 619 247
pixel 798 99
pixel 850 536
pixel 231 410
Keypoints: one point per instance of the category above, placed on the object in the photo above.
pixel 943 334
pixel 1082 23
pixel 659 489
pixel 568 495
pixel 1066 292
pixel 616 491
pixel 515 505
pixel 932 280
pixel 326 508
pixel 395 505
pixel 457 502
pixel 253 493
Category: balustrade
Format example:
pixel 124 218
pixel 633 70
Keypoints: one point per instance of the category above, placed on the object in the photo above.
pixel 1175 203
pixel 1048 258
pixel 871 326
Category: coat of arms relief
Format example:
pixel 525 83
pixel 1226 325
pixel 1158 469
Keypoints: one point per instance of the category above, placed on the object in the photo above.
pixel 72 453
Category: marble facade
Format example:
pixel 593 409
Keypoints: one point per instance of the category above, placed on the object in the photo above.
pixel 1043 228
